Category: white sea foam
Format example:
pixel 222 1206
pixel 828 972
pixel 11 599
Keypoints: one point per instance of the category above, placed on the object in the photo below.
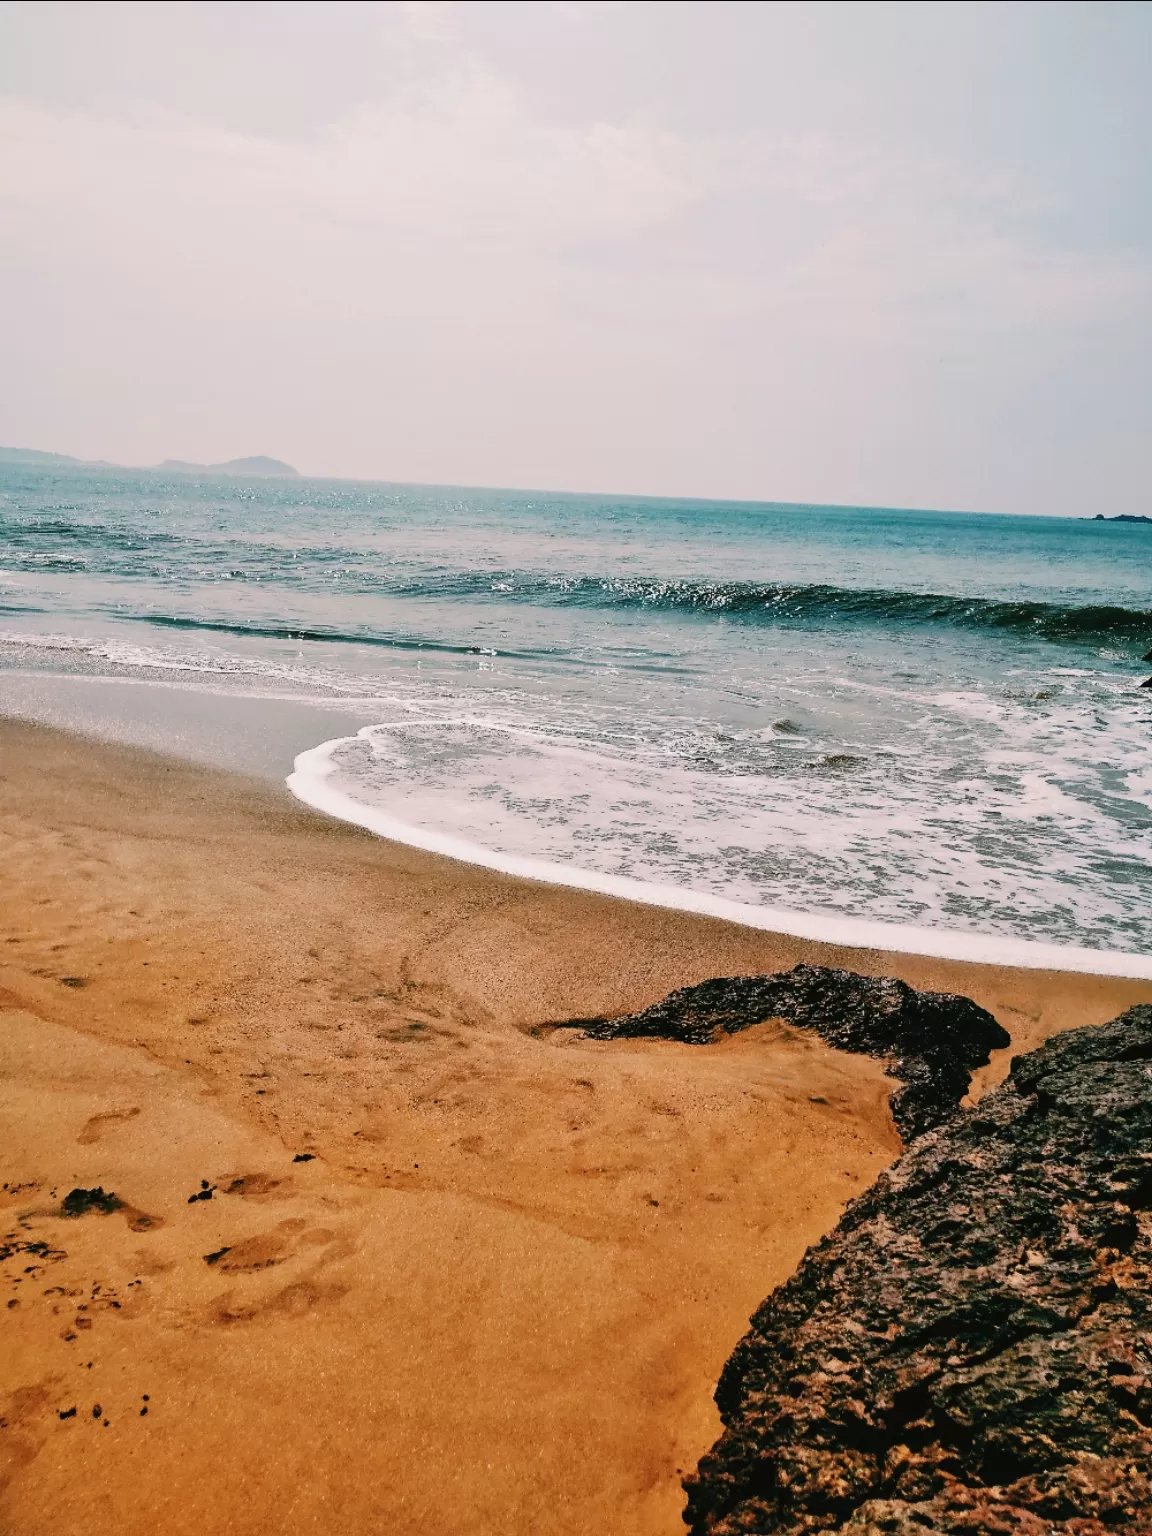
pixel 201 664
pixel 315 781
pixel 936 811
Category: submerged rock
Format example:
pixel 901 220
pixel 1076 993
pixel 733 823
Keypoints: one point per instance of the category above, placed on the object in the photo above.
pixel 971 1349
pixel 933 1039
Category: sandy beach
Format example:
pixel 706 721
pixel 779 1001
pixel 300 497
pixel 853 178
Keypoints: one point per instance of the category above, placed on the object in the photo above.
pixel 456 1273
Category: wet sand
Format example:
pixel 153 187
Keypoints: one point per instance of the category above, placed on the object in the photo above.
pixel 454 1275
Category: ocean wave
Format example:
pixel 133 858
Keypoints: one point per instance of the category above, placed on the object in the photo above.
pixel 774 602
pixel 768 603
pixel 147 555
pixel 318 633
pixel 748 602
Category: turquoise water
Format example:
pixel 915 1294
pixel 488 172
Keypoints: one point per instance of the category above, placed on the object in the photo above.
pixel 912 717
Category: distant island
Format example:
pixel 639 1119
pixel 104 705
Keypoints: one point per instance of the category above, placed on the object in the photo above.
pixel 1122 517
pixel 34 456
pixel 257 465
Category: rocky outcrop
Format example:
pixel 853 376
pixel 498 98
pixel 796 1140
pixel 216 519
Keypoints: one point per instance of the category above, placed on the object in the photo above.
pixel 971 1349
pixel 932 1039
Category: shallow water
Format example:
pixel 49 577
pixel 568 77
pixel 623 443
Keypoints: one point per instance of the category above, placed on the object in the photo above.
pixel 918 718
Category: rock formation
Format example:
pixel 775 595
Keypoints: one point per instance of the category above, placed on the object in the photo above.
pixel 971 1349
pixel 933 1039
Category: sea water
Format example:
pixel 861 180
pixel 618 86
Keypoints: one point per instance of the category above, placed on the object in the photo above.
pixel 851 714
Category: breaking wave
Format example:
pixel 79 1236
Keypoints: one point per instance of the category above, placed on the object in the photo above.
pixel 754 603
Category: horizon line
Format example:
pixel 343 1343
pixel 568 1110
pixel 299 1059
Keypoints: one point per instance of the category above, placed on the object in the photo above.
pixel 71 462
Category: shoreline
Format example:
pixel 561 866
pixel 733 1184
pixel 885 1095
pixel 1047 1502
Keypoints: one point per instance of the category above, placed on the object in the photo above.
pixel 286 727
pixel 454 1273
pixel 306 782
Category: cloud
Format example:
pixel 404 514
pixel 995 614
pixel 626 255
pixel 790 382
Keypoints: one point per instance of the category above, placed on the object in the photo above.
pixel 460 164
pixel 738 298
pixel 461 160
pixel 429 21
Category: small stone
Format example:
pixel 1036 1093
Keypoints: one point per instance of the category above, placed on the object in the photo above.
pixel 81 1202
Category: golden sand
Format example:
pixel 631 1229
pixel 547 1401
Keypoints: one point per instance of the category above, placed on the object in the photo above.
pixel 497 1295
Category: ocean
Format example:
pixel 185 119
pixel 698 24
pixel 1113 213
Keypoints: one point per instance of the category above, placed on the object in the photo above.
pixel 822 718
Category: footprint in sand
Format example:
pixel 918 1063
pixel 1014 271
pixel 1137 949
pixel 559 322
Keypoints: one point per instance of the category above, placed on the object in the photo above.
pixel 95 1128
pixel 251 1185
pixel 290 1239
pixel 250 1255
pixel 293 1301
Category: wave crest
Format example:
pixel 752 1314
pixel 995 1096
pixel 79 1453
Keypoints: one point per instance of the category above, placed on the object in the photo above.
pixel 779 602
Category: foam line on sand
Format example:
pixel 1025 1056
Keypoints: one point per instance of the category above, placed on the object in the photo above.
pixel 310 783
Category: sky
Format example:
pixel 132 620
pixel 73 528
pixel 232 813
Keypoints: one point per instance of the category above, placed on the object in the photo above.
pixel 873 254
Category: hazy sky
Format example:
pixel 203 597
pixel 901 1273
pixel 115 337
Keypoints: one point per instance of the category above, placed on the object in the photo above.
pixel 889 254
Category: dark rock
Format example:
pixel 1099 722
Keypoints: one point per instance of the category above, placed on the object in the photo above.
pixel 1147 683
pixel 933 1039
pixel 80 1202
pixel 304 1157
pixel 214 1258
pixel 971 1349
